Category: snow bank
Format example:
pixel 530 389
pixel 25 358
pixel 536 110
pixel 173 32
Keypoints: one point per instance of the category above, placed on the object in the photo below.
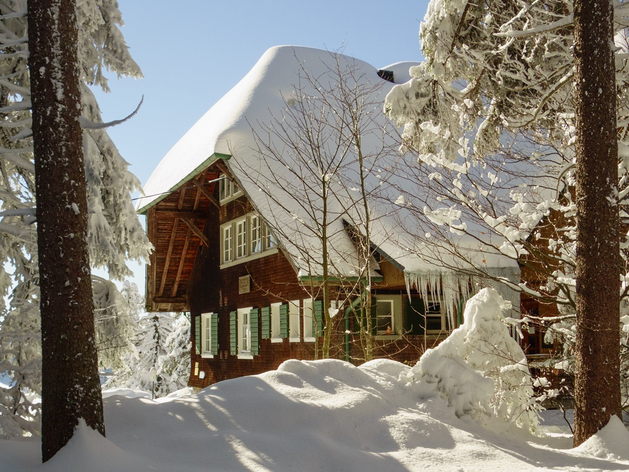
pixel 480 369
pixel 307 416
pixel 89 451
pixel 611 442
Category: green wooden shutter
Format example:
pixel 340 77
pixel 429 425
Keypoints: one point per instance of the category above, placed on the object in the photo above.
pixel 233 333
pixel 266 322
pixel 414 316
pixel 317 328
pixel 214 333
pixel 197 333
pixel 254 323
pixel 284 320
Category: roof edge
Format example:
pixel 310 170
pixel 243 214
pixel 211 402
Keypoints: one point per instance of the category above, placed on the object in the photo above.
pixel 197 170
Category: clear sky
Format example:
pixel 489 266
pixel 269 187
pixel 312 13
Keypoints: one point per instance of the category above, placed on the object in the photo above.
pixel 192 52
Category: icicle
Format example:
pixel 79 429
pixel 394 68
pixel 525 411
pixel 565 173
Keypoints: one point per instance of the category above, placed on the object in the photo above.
pixel 447 288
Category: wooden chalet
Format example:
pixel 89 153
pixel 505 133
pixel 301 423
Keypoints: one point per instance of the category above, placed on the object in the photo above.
pixel 253 300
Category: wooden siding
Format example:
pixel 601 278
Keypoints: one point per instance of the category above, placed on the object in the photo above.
pixel 176 230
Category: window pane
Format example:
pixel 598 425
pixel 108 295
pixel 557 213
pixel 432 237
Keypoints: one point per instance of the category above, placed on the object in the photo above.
pixel 227 244
pixel 434 318
pixel 384 316
pixel 256 236
pixel 293 323
pixel 241 239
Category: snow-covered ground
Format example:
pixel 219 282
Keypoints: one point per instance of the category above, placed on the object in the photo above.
pixel 312 416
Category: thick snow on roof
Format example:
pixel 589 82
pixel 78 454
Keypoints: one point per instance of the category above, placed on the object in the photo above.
pixel 267 125
pixel 262 93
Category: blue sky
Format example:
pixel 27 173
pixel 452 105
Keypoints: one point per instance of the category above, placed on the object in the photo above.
pixel 192 52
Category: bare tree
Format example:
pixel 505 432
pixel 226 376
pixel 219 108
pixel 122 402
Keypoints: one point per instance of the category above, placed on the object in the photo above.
pixel 315 167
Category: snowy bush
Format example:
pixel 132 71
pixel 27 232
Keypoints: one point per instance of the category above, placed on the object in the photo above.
pixel 160 359
pixel 480 369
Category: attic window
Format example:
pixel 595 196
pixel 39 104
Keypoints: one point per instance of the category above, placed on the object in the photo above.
pixel 228 190
pixel 386 75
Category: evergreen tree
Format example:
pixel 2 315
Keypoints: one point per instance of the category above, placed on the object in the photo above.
pixel 501 102
pixel 114 232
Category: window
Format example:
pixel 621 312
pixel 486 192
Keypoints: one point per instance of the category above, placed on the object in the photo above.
pixel 276 335
pixel 307 304
pixel 256 234
pixel 241 238
pixel 435 318
pixel 227 242
pixel 247 237
pixel 244 332
pixel 209 334
pixel 227 189
pixel 269 238
pixel 293 320
pixel 385 319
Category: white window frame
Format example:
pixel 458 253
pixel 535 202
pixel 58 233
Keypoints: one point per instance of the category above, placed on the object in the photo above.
pixel 227 243
pixel 238 243
pixel 242 238
pixel 294 326
pixel 391 316
pixel 244 333
pixel 206 334
pixel 227 190
pixel 270 241
pixel 275 323
pixel 397 315
pixel 255 230
pixel 435 314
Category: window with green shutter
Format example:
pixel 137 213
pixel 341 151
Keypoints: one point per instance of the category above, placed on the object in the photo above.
pixel 207 334
pixel 284 320
pixel 254 317
pixel 233 333
pixel 317 319
pixel 265 320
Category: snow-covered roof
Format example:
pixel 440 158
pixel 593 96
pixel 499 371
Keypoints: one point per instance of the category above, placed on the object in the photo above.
pixel 239 126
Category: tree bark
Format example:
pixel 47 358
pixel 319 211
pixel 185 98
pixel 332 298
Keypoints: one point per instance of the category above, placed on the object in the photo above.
pixel 70 382
pixel 597 383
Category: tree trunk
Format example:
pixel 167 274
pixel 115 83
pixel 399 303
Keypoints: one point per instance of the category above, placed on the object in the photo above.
pixel 70 383
pixel 597 384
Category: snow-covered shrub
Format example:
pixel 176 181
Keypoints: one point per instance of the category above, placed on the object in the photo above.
pixel 160 360
pixel 480 369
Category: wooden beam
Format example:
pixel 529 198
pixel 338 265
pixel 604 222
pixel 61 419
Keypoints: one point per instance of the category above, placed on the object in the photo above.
pixel 197 232
pixel 223 168
pixel 206 192
pixel 180 214
pixel 171 244
pixel 182 260
pixel 151 281
pixel 169 300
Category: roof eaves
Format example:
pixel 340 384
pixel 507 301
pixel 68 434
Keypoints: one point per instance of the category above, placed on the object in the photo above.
pixel 196 171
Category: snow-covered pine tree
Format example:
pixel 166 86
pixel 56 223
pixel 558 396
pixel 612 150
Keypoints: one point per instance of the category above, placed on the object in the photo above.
pixel 496 106
pixel 115 234
pixel 159 362
pixel 116 318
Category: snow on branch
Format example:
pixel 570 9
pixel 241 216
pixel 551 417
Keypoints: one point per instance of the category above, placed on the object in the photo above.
pixel 88 124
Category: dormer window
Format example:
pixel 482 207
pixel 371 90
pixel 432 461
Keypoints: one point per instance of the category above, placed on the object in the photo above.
pixel 227 189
